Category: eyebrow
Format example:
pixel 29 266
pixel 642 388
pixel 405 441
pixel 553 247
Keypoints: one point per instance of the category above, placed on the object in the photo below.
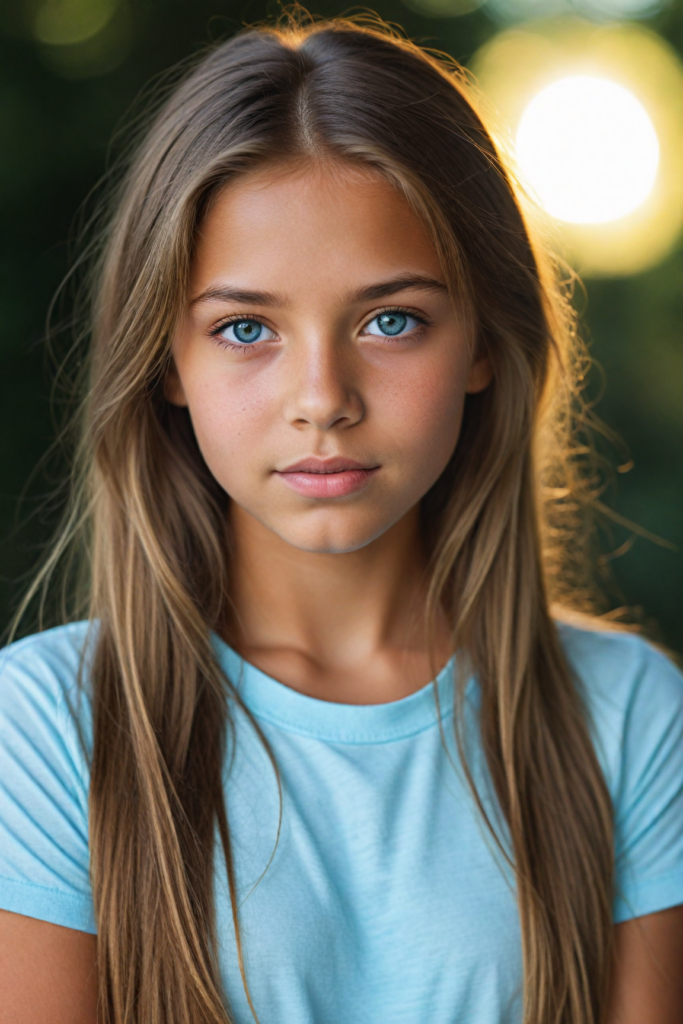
pixel 370 293
pixel 398 284
pixel 228 294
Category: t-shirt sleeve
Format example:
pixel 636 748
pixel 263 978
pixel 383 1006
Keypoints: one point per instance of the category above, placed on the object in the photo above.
pixel 44 861
pixel 648 797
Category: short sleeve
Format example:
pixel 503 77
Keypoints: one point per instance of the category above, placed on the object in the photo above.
pixel 634 697
pixel 44 861
pixel 649 798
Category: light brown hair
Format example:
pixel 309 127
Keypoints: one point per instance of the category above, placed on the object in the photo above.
pixel 503 523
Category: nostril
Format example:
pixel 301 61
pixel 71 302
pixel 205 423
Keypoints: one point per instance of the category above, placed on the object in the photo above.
pixel 326 411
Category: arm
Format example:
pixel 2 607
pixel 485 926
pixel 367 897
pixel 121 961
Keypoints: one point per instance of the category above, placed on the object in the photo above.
pixel 648 976
pixel 47 973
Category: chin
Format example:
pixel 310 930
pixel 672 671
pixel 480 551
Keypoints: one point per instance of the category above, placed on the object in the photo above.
pixel 335 538
pixel 327 545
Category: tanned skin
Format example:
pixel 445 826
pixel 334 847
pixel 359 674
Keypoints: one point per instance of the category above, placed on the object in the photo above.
pixel 307 248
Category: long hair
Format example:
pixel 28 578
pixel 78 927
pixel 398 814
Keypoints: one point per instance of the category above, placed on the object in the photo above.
pixel 501 524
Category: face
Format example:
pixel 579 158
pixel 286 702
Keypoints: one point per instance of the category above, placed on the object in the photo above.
pixel 320 355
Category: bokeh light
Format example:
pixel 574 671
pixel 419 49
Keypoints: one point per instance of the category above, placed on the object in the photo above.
pixel 605 161
pixel 588 149
pixel 81 38
pixel 443 8
pixel 515 11
pixel 64 22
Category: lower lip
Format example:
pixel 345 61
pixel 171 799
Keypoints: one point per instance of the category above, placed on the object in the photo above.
pixel 328 485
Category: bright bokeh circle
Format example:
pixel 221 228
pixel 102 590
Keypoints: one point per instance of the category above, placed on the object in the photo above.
pixel 588 149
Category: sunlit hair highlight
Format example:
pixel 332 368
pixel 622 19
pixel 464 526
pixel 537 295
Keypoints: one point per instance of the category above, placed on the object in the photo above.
pixel 503 525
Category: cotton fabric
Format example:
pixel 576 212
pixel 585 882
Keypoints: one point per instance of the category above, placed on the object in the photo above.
pixel 386 899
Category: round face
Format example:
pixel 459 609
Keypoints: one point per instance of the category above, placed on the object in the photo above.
pixel 321 358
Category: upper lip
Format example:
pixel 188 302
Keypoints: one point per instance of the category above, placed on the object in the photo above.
pixel 313 464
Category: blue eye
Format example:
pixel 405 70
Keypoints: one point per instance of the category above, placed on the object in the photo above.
pixel 245 332
pixel 391 323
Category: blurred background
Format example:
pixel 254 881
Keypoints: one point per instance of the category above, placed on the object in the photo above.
pixel 587 95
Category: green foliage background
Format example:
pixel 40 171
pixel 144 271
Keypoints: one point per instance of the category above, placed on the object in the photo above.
pixel 58 109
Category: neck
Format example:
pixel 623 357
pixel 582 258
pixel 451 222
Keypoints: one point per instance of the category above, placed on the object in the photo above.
pixel 346 627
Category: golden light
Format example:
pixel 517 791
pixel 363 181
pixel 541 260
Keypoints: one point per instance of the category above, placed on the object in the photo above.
pixel 588 149
pixel 592 118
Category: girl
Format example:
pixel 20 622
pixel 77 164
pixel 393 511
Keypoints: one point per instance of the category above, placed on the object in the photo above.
pixel 320 752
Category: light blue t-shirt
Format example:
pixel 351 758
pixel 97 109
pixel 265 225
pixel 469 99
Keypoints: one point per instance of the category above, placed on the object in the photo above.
pixel 386 899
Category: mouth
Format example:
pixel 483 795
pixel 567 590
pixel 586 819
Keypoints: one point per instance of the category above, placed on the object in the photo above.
pixel 327 478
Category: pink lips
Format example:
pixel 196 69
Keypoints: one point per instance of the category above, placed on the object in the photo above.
pixel 327 478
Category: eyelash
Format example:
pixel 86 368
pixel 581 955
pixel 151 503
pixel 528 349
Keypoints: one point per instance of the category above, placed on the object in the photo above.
pixel 422 321
pixel 234 319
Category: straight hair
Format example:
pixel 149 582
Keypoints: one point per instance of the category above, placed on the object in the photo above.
pixel 503 524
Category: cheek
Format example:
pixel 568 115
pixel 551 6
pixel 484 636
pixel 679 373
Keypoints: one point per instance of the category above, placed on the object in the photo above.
pixel 231 420
pixel 420 410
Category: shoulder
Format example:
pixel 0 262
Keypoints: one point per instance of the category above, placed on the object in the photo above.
pixel 54 654
pixel 633 694
pixel 619 671
pixel 44 681
pixel 61 646
pixel 616 668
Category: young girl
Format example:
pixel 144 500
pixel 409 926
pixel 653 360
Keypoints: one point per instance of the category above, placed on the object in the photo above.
pixel 320 752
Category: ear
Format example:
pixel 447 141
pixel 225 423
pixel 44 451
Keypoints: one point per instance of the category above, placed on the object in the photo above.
pixel 480 375
pixel 173 388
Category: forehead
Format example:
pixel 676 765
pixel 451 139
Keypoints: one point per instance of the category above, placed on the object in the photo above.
pixel 327 222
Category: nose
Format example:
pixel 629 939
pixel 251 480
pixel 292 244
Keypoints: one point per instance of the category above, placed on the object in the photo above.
pixel 323 390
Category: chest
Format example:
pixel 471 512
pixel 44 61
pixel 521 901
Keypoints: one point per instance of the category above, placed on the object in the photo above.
pixel 385 897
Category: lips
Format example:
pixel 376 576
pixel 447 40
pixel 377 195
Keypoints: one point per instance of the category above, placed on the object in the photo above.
pixel 314 464
pixel 327 478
